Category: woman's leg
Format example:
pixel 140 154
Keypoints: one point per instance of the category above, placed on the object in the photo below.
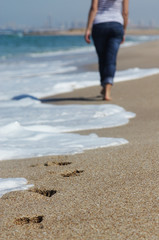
pixel 107 38
pixel 112 46
pixel 107 92
pixel 100 38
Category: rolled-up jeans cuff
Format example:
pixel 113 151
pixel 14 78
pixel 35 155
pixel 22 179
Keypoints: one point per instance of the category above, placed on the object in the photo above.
pixel 108 80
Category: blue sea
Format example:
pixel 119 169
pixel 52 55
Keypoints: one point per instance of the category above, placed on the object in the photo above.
pixel 19 46
pixel 32 67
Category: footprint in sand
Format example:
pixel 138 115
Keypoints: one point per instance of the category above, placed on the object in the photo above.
pixel 72 174
pixel 47 164
pixel 50 163
pixel 28 220
pixel 44 192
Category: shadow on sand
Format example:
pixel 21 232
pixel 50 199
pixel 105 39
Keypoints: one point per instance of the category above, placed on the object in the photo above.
pixel 57 99
pixel 73 99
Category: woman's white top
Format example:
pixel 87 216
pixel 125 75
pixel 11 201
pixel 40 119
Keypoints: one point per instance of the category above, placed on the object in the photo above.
pixel 109 11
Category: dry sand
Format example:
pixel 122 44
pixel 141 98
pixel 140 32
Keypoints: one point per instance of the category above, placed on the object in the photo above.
pixel 109 193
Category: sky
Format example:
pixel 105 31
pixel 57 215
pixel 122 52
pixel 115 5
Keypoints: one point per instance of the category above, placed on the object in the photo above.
pixel 40 13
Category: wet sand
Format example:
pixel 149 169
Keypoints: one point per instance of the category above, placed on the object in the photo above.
pixel 108 193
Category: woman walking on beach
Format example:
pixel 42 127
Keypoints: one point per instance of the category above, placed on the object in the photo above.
pixel 107 22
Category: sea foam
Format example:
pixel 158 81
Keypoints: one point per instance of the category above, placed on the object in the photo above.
pixel 35 129
pixel 13 184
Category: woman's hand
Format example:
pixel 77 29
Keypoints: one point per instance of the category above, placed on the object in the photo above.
pixel 87 36
pixel 123 40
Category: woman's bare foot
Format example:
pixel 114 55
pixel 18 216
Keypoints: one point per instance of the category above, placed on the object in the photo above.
pixel 107 92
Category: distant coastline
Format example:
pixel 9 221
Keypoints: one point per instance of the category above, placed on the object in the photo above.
pixel 132 31
pixel 56 32
pixel 73 32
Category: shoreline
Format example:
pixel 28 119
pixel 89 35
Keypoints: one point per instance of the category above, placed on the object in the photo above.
pixel 107 193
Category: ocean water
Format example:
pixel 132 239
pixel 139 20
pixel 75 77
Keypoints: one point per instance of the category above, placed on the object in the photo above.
pixel 32 67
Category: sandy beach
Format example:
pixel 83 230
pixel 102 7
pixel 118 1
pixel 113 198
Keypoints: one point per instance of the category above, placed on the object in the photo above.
pixel 108 193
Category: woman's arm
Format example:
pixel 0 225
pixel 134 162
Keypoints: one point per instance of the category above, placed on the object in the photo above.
pixel 91 16
pixel 125 13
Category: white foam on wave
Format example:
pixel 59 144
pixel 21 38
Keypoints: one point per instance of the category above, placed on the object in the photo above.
pixel 129 44
pixel 135 73
pixel 39 143
pixel 13 184
pixel 88 79
pixel 73 51
pixel 42 80
pixel 75 81
pixel 64 118
pixel 23 70
pixel 43 130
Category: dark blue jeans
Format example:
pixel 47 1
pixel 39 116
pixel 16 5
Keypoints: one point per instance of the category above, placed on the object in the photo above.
pixel 107 38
